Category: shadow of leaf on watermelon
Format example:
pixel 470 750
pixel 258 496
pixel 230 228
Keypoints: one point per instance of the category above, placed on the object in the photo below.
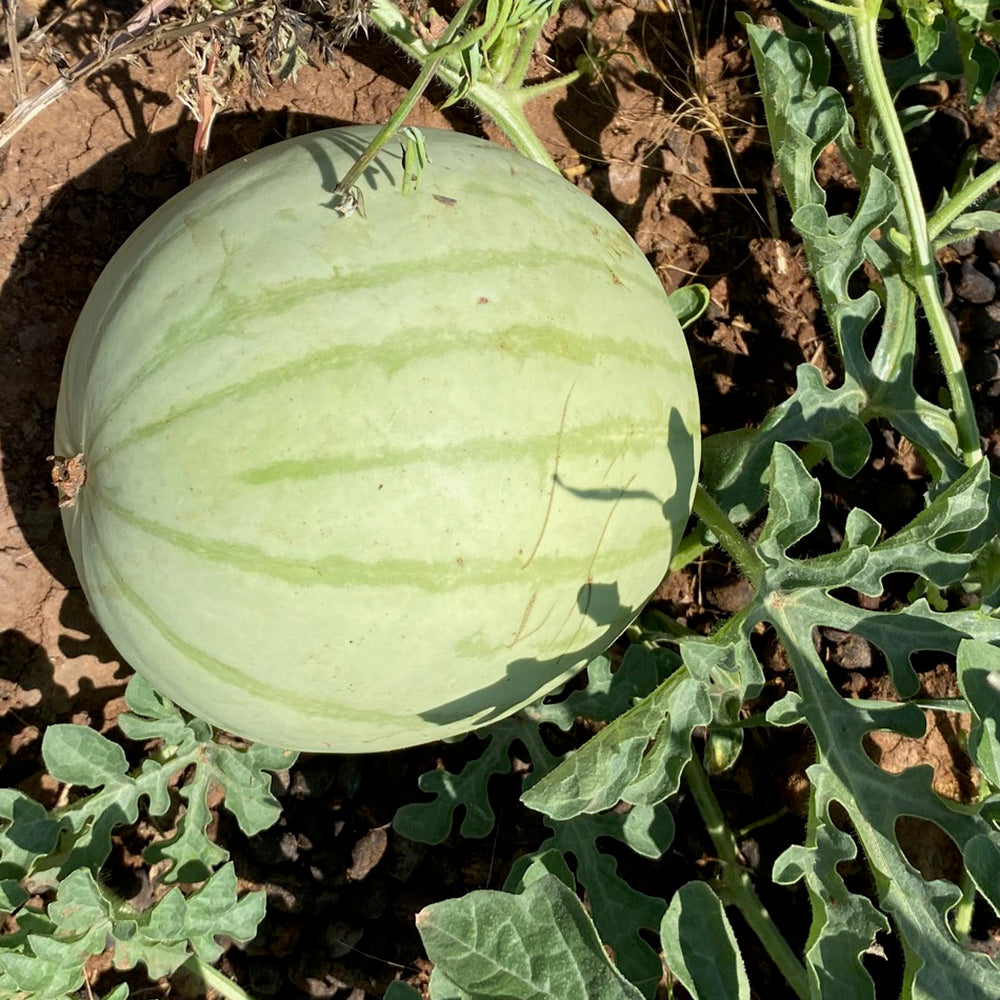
pixel 600 602
pixel 354 483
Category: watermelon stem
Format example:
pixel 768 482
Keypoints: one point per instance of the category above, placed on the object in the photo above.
pixel 215 980
pixel 729 537
pixel 501 100
pixel 735 885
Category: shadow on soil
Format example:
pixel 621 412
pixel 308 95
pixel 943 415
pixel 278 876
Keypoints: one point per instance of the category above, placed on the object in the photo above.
pixel 87 221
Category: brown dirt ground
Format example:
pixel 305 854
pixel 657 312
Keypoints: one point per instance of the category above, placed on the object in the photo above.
pixel 677 151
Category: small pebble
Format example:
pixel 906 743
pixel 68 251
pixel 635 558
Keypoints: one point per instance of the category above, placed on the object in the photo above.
pixel 953 325
pixel 991 241
pixel 309 974
pixel 267 977
pixel 372 902
pixel 368 852
pixel 269 847
pixel 313 777
pixel 340 937
pixel 280 783
pixel 854 653
pixel 947 292
pixel 986 325
pixel 974 286
pixel 982 368
pixel 404 857
pixel 965 247
pixel 285 894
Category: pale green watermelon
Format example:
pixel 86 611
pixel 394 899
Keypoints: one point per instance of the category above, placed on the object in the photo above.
pixel 357 483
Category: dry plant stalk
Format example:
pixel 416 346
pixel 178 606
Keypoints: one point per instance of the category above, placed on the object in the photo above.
pixel 142 31
pixel 10 12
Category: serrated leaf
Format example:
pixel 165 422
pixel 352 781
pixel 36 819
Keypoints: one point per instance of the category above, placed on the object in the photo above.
pixel 700 947
pixel 192 854
pixel 12 895
pixel 531 867
pixel 844 923
pixel 969 224
pixel 79 755
pixel 399 990
pixel 786 711
pixel 735 462
pixel 978 665
pixel 647 830
pixel 608 694
pixel 431 822
pixel 28 834
pixel 40 979
pixel 935 964
pixel 793 505
pixel 539 945
pixel 955 511
pixel 982 862
pixel 804 116
pixel 51 962
pixel 597 775
pixel 153 717
pixel 619 911
pixel 165 936
pixel 689 302
pixel 924 23
pixel 659 775
pixel 246 776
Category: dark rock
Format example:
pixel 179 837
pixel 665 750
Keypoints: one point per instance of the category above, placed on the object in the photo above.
pixel 965 247
pixel 309 974
pixel 953 326
pixel 985 326
pixel 974 286
pixel 947 292
pixel 340 937
pixel 267 977
pixel 268 846
pixel 285 894
pixel 991 241
pixel 313 777
pixel 854 653
pixel 371 899
pixel 368 852
pixel 982 368
pixel 280 782
pixel 404 856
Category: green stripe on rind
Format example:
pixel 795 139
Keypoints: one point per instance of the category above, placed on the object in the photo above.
pixel 266 302
pixel 341 571
pixel 595 440
pixel 409 344
pixel 312 704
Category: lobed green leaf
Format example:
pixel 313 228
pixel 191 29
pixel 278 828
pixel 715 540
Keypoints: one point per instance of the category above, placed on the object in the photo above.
pixel 486 945
pixel 700 948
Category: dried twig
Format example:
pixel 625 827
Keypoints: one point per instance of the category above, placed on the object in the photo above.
pixel 10 12
pixel 134 37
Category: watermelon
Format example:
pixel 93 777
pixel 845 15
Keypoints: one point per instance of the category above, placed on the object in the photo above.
pixel 355 482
